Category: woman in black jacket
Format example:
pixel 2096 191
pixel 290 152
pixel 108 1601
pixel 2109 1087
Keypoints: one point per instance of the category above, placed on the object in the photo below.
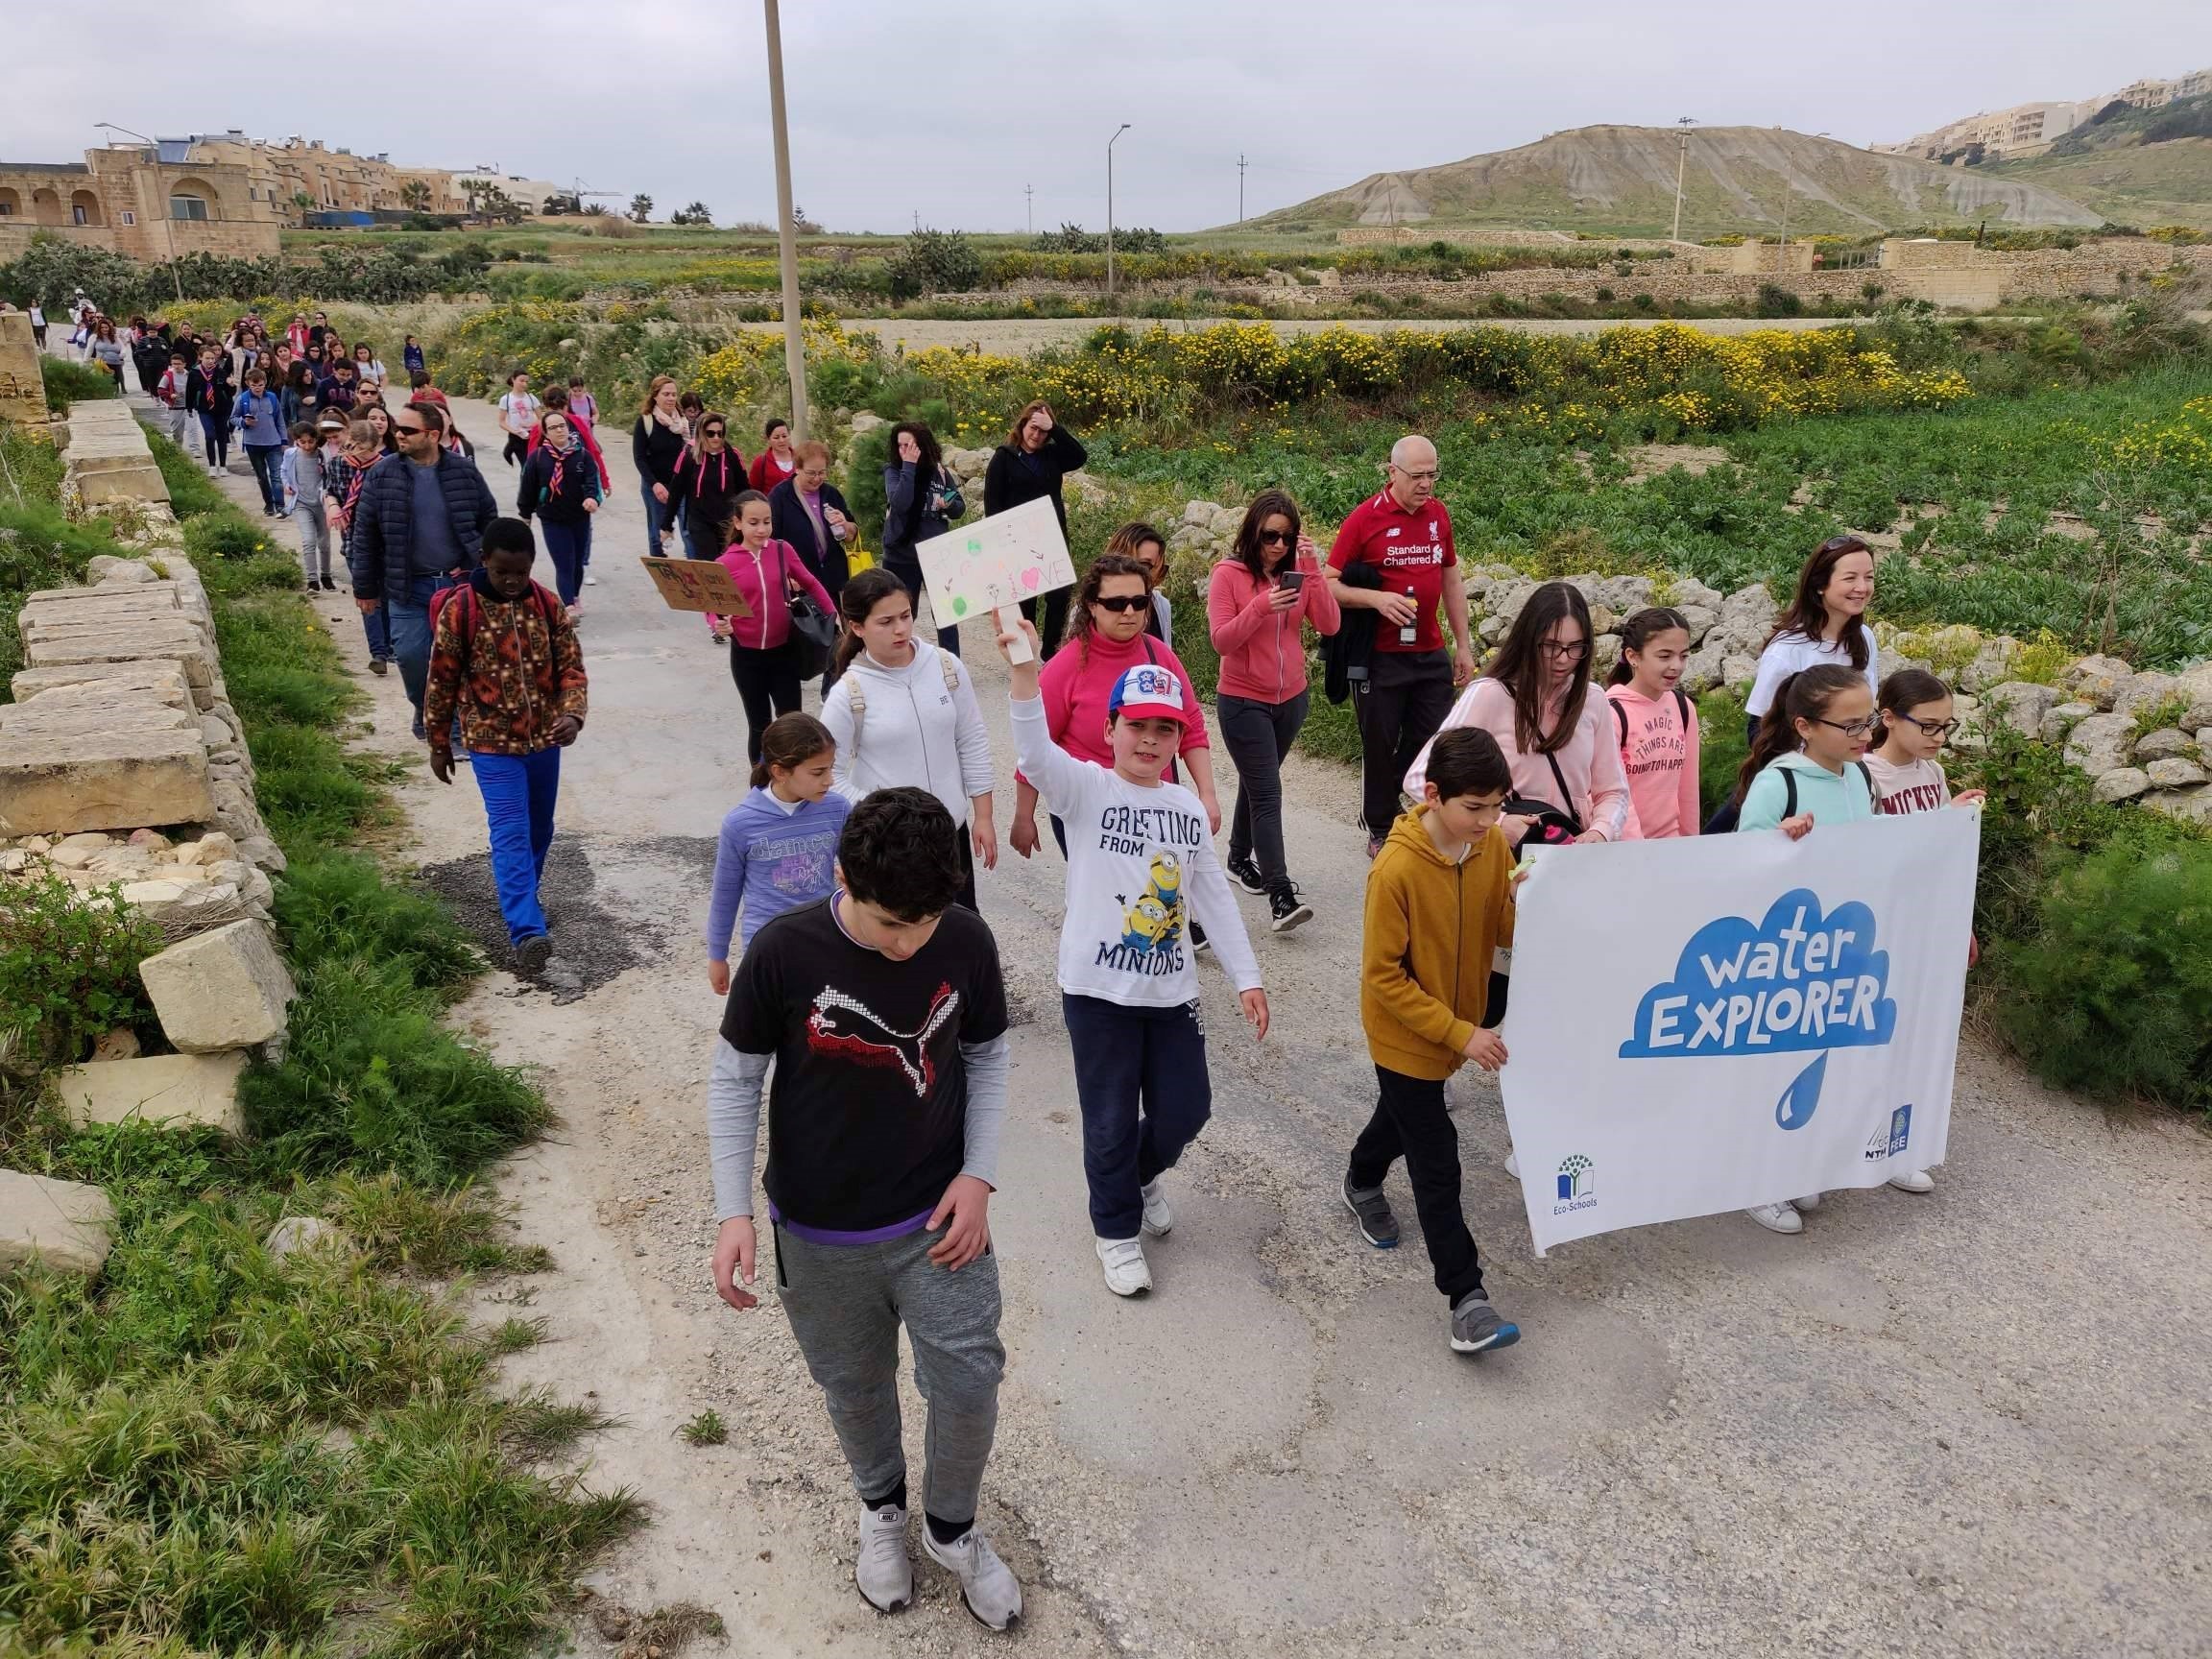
pixel 655 443
pixel 561 485
pixel 1036 454
pixel 920 500
pixel 710 475
pixel 809 513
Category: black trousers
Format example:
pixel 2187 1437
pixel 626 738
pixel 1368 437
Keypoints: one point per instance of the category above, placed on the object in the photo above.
pixel 1054 628
pixel 1404 699
pixel 1258 735
pixel 1411 1121
pixel 767 683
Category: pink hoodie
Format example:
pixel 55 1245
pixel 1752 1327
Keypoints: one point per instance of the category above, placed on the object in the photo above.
pixel 1263 649
pixel 761 579
pixel 1590 760
pixel 1660 757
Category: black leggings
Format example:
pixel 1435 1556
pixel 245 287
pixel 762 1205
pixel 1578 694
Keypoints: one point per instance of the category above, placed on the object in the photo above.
pixel 767 683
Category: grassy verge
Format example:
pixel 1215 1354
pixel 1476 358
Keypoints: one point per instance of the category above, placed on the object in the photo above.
pixel 210 1448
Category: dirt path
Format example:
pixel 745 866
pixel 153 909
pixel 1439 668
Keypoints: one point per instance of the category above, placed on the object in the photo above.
pixel 1965 1424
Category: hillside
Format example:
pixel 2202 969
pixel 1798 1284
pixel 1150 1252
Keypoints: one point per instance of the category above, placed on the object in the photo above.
pixel 2139 167
pixel 1620 181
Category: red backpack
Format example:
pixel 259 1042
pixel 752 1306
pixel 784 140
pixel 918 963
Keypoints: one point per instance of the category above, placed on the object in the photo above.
pixel 542 598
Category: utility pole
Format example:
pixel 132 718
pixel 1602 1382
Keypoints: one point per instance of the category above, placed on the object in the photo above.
pixel 1240 187
pixel 1029 206
pixel 786 233
pixel 1782 253
pixel 1110 143
pixel 1681 161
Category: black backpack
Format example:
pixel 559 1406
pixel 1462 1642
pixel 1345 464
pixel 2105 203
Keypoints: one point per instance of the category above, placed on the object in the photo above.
pixel 1681 708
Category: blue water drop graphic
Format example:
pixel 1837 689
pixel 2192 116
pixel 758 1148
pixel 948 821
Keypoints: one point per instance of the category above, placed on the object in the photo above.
pixel 1798 1102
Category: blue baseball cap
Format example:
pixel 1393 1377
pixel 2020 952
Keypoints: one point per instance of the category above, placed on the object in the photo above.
pixel 1149 691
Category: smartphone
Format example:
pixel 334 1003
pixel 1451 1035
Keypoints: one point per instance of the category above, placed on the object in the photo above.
pixel 1290 579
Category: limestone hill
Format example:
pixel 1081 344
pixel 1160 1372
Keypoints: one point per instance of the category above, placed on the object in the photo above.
pixel 1620 181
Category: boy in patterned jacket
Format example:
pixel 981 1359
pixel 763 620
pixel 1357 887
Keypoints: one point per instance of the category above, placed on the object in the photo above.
pixel 504 657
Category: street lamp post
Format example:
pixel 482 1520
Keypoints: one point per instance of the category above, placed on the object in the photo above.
pixel 1681 161
pixel 168 235
pixel 1110 143
pixel 786 233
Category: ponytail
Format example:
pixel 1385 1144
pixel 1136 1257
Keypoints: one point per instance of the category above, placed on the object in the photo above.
pixel 789 743
pixel 1803 696
pixel 855 603
pixel 1637 633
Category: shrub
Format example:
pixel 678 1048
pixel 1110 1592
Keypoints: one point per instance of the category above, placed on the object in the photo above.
pixel 2112 993
pixel 69 969
pixel 192 493
pixel 68 383
pixel 1721 746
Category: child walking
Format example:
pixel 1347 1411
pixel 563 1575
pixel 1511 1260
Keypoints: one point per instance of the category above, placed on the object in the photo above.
pixel 1439 903
pixel 304 488
pixel 763 657
pixel 779 846
pixel 1807 765
pixel 503 654
pixel 1656 724
pixel 1139 863
pixel 884 1012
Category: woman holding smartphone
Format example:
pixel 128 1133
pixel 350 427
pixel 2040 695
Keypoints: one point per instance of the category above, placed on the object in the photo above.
pixel 1258 602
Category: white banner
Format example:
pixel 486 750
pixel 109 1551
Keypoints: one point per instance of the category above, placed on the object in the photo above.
pixel 1703 1025
pixel 1011 555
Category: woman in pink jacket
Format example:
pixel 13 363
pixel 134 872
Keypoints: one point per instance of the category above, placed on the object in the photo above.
pixel 1536 699
pixel 764 660
pixel 1257 603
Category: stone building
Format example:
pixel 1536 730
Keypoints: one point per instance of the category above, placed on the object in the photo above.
pixel 138 201
pixel 331 180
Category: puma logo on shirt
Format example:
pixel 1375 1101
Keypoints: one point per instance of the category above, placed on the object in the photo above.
pixel 841 1024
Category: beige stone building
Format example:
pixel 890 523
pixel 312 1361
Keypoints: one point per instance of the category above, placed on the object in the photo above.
pixel 331 180
pixel 145 202
pixel 2027 129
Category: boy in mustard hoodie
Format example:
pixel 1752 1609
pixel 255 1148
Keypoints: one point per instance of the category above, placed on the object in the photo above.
pixel 1439 901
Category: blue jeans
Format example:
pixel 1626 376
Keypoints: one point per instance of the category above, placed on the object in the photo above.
pixel 691 547
pixel 1127 1059
pixel 379 627
pixel 267 458
pixel 569 547
pixel 657 515
pixel 409 628
pixel 518 794
pixel 215 434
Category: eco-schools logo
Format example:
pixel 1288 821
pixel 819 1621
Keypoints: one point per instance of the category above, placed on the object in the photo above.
pixel 1800 980
pixel 1574 1191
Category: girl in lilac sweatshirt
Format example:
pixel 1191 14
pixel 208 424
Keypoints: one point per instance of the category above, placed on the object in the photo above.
pixel 778 845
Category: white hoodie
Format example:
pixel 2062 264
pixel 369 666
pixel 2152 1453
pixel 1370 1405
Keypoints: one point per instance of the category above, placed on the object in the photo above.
pixel 912 731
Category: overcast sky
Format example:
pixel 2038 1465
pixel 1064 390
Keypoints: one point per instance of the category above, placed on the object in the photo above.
pixel 948 110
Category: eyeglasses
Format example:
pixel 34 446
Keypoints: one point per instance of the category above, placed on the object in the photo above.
pixel 1565 650
pixel 1859 727
pixel 1936 728
pixel 1121 604
pixel 1427 477
pixel 712 432
pixel 1274 538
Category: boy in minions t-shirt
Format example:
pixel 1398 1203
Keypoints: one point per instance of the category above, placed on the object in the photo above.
pixel 1141 869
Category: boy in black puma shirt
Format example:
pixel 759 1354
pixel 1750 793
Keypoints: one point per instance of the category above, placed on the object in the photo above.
pixel 885 1013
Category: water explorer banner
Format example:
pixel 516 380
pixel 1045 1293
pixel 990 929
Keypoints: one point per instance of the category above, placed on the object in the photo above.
pixel 1704 1024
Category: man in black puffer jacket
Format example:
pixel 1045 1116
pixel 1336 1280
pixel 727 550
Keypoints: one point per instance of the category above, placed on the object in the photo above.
pixel 418 526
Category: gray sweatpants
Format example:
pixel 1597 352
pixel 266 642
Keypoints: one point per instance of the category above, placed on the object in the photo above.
pixel 846 1302
pixel 314 539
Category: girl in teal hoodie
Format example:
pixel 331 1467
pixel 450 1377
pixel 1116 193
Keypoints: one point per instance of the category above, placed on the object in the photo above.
pixel 1807 766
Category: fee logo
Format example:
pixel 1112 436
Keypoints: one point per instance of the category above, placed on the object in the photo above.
pixel 1801 980
pixel 1890 1138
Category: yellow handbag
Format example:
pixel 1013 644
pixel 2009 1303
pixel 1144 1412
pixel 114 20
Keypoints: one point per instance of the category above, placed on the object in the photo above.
pixel 857 558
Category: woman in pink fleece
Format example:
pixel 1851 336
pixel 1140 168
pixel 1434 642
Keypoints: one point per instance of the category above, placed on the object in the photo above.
pixel 1656 724
pixel 1534 698
pixel 1257 603
pixel 763 661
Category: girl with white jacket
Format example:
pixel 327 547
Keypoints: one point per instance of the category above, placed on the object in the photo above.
pixel 904 715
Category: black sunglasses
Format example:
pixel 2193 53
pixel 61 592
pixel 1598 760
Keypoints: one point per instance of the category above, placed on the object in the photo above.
pixel 407 431
pixel 1274 538
pixel 1121 604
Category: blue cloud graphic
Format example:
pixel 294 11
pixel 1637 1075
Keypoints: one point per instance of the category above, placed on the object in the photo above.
pixel 1800 980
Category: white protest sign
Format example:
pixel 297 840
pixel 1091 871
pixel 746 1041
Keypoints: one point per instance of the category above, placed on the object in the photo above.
pixel 1704 1024
pixel 997 562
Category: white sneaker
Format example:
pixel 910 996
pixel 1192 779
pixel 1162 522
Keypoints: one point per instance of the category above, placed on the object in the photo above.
pixel 881 1569
pixel 1126 1272
pixel 589 580
pixel 1513 1165
pixel 987 1584
pixel 1777 1217
pixel 1916 1180
pixel 1811 1201
pixel 1159 1217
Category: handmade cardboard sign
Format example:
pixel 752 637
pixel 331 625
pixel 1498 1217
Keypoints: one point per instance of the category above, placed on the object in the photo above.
pixel 697 585
pixel 996 563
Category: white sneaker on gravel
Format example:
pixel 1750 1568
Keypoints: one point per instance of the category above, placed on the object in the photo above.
pixel 1777 1217
pixel 1513 1165
pixel 1811 1201
pixel 1916 1181
pixel 1159 1216
pixel 882 1570
pixel 1127 1271
pixel 589 580
pixel 987 1584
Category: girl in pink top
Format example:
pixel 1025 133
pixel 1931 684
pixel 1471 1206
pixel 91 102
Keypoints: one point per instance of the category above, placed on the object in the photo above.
pixel 1656 725
pixel 1534 698
pixel 763 661
pixel 1106 635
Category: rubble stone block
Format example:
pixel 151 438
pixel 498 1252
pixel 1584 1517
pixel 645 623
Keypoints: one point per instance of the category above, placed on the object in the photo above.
pixel 125 711
pixel 164 680
pixel 62 1223
pixel 224 989
pixel 190 1089
pixel 52 784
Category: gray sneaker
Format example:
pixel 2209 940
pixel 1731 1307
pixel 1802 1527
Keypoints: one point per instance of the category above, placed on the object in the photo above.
pixel 986 1583
pixel 881 1568
pixel 1372 1211
pixel 1477 1328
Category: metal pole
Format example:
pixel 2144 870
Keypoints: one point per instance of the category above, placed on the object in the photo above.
pixel 786 233
pixel 1110 143
pixel 1681 161
pixel 1240 187
pixel 1782 253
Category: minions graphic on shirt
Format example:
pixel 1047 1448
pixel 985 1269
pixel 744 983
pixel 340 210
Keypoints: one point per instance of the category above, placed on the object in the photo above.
pixel 1154 922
